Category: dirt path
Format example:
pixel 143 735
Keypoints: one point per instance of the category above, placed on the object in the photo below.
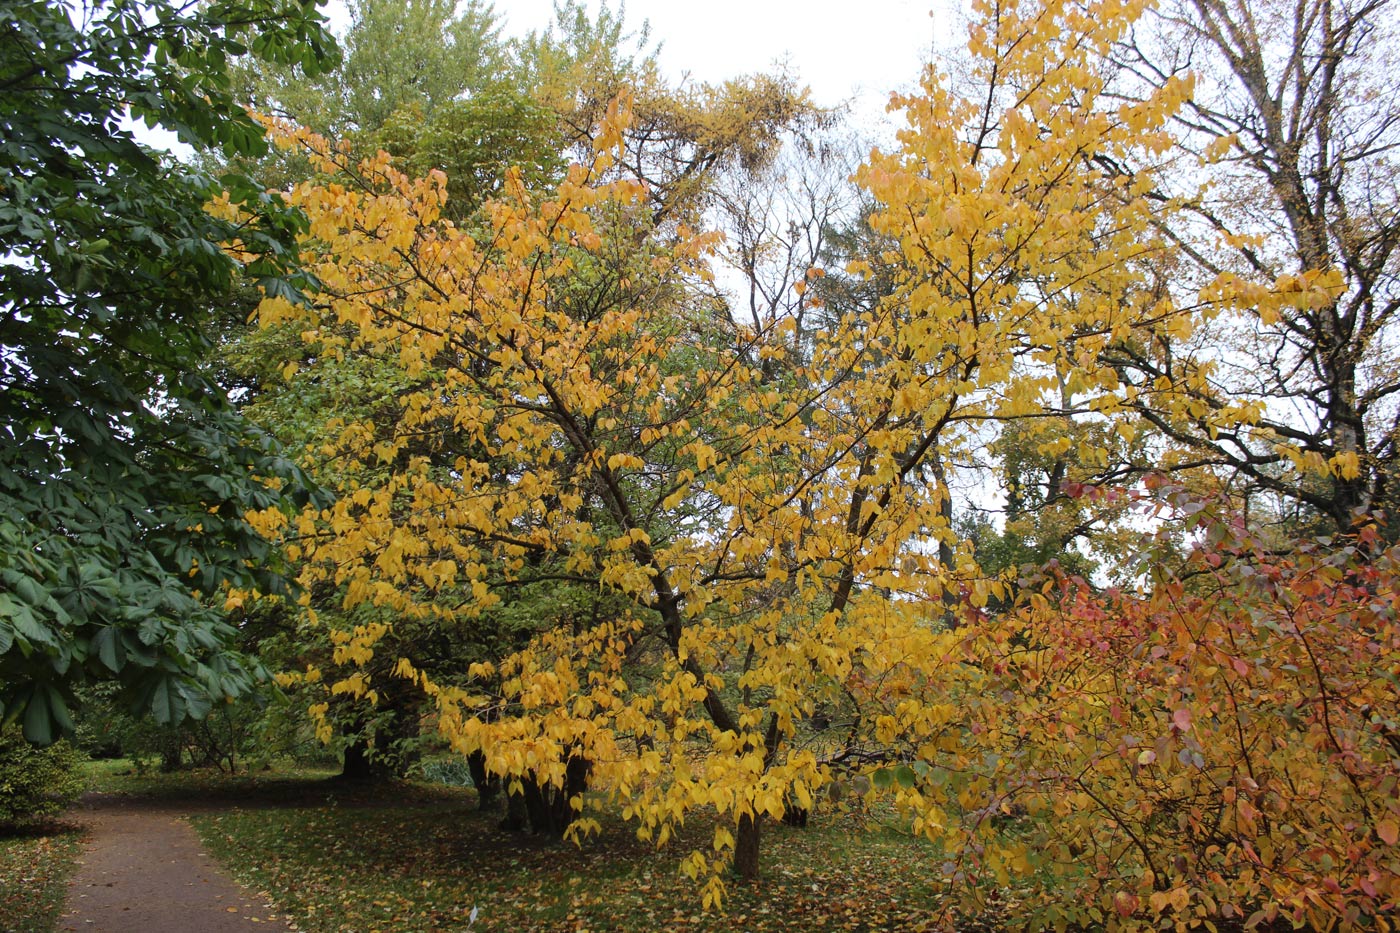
pixel 144 871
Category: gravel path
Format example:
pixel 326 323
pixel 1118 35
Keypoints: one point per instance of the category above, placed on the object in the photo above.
pixel 144 871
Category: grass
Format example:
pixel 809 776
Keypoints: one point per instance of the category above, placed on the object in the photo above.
pixel 416 857
pixel 121 776
pixel 423 867
pixel 35 866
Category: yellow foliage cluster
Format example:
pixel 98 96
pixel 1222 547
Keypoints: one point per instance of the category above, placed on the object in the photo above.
pixel 781 537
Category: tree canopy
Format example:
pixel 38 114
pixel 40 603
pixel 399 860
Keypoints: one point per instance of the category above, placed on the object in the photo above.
pixel 125 472
pixel 1295 134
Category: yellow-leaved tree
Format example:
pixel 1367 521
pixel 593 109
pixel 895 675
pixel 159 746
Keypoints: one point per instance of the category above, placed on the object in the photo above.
pixel 620 432
pixel 770 517
pixel 780 535
pixel 1208 749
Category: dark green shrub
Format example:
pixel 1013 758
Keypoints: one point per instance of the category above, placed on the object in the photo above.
pixel 243 735
pixel 35 783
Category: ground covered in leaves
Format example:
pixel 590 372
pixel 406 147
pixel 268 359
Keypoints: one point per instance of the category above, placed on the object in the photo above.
pixel 424 865
pixel 35 865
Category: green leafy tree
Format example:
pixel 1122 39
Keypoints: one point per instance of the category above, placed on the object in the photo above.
pixel 418 54
pixel 476 141
pixel 125 472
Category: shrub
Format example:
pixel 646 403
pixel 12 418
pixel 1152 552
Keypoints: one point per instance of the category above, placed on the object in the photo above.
pixel 243 735
pixel 453 772
pixel 35 783
pixel 1219 748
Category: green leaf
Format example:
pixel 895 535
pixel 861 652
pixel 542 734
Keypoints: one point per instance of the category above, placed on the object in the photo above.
pixel 109 410
pixel 197 702
pixel 163 702
pixel 107 646
pixel 58 708
pixel 38 719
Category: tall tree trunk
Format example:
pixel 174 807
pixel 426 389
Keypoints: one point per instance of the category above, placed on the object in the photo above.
pixel 171 752
pixel 546 807
pixel 1348 435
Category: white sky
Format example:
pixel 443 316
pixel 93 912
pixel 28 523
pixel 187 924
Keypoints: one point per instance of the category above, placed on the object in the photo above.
pixel 859 51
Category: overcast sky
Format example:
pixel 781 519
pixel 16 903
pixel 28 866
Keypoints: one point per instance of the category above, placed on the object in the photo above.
pixel 841 48
pixel 846 51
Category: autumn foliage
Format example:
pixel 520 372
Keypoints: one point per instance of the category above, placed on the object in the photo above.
pixel 1220 746
pixel 746 590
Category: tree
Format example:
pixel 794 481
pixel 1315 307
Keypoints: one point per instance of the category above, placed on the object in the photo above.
pixel 125 472
pixel 682 140
pixel 621 434
pixel 479 537
pixel 757 527
pixel 1195 360
pixel 1216 747
pixel 779 540
pixel 1297 124
pixel 415 55
pixel 432 85
pixel 350 384
pixel 784 218
pixel 1036 266
pixel 1013 261
pixel 476 142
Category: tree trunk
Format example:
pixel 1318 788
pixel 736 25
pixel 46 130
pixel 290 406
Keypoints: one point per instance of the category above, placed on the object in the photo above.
pixel 794 814
pixel 545 807
pixel 357 765
pixel 1347 435
pixel 516 817
pixel 746 847
pixel 488 785
pixel 540 807
pixel 171 752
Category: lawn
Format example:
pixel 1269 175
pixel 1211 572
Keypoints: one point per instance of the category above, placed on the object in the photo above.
pixel 34 869
pixel 120 776
pixel 424 866
pixel 419 857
